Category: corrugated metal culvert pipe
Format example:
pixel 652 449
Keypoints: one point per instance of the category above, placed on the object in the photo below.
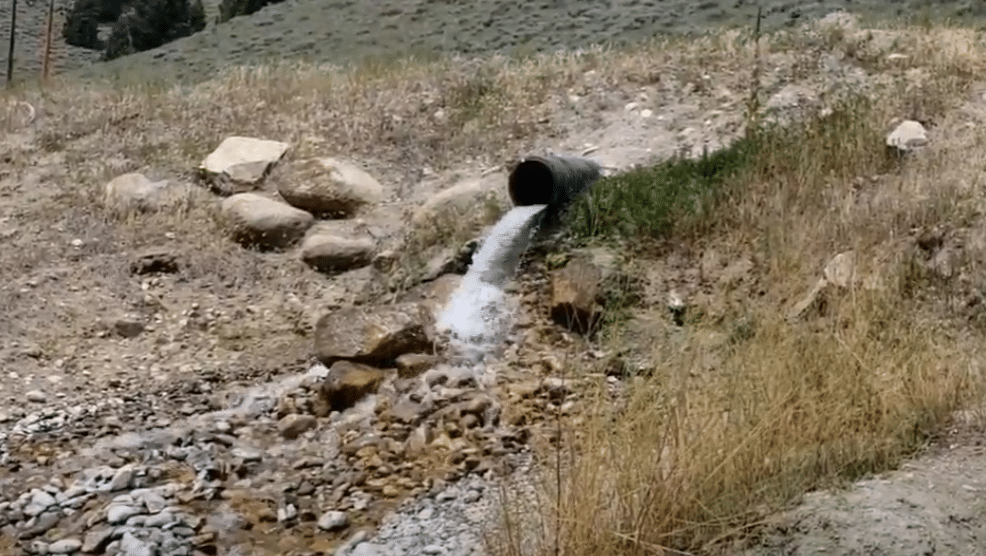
pixel 551 180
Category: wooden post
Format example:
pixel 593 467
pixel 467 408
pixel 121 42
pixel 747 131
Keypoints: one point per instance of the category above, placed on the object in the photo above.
pixel 49 39
pixel 10 52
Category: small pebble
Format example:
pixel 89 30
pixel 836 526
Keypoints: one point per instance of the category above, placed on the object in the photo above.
pixel 36 396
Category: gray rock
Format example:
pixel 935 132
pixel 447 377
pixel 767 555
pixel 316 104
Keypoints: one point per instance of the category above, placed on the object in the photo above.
pixel 248 455
pixel 118 513
pixel 96 540
pixel 333 521
pixel 122 479
pixel 132 546
pixel 908 136
pixel 160 520
pixel 65 546
pixel 36 396
pixel 32 509
pixel 43 499
pixel 70 493
pixel 39 547
pixel 183 531
pixel 154 502
pixel 369 549
pixel 287 513
pixel 41 524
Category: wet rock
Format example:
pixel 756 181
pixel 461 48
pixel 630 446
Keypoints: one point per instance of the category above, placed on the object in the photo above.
pixel 451 261
pixel 331 253
pixel 333 521
pixel 135 192
pixel 575 291
pixel 255 220
pixel 413 364
pixel 292 426
pixel 348 382
pixel 240 163
pixel 329 187
pixel 373 335
pixel 908 136
pixel 434 295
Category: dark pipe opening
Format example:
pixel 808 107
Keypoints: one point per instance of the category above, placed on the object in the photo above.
pixel 531 183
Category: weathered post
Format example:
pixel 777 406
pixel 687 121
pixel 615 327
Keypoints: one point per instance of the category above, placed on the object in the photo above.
pixel 10 51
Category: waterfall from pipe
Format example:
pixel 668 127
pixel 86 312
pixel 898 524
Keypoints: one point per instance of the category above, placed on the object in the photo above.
pixel 477 317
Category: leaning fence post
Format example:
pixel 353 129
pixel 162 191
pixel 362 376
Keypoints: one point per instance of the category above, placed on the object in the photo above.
pixel 10 52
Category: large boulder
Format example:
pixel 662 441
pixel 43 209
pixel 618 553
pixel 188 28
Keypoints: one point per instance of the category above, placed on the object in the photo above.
pixel 329 187
pixel 465 208
pixel 136 192
pixel 374 335
pixel 258 221
pixel 239 164
pixel 328 252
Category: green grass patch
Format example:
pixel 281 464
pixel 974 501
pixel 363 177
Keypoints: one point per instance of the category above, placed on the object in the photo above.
pixel 686 196
pixel 655 201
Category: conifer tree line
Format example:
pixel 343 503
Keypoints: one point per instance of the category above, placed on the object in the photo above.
pixel 138 25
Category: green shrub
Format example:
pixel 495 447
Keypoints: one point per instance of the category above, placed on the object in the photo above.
pixel 228 9
pixel 153 23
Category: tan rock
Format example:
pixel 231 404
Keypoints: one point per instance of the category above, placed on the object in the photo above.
pixel 347 383
pixel 240 163
pixel 575 290
pixel 413 364
pixel 255 220
pixel 136 192
pixel 328 186
pixel 333 253
pixel 839 274
pixel 292 426
pixel 374 335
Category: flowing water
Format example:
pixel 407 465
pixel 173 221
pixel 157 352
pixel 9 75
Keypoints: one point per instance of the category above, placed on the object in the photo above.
pixel 477 317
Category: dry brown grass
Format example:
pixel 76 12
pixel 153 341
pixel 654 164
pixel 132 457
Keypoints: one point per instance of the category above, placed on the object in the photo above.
pixel 696 457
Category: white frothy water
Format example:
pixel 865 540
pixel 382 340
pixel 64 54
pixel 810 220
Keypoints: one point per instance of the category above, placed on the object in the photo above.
pixel 477 317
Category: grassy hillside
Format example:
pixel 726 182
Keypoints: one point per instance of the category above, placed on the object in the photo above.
pixel 339 31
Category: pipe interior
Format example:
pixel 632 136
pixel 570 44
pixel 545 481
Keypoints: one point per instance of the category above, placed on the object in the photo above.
pixel 531 183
